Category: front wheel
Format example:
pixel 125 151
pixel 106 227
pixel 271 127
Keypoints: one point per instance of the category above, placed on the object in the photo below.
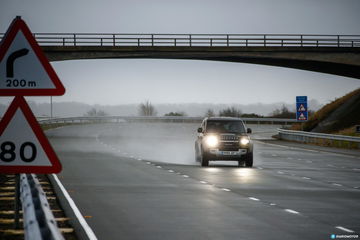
pixel 204 160
pixel 249 160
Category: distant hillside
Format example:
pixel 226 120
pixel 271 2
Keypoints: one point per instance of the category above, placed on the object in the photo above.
pixel 343 113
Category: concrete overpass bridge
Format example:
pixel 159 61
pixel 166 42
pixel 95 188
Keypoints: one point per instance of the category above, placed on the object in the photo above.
pixel 333 54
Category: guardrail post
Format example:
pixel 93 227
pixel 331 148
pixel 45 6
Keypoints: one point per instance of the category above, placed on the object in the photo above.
pixel 114 40
pixel 138 42
pixel 190 39
pixel 211 42
pixel 101 41
pixel 301 40
pixel 338 40
pixel 63 41
pixel 264 40
pixel 246 42
pixel 74 39
pixel 175 42
pixel 227 40
pixel 152 39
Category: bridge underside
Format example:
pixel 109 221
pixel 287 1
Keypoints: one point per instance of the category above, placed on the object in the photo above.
pixel 338 61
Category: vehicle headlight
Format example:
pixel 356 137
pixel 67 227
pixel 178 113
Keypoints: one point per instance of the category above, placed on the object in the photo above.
pixel 211 141
pixel 244 141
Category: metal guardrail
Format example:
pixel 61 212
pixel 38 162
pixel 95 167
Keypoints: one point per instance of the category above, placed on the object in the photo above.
pixel 157 119
pixel 39 222
pixel 310 137
pixel 194 40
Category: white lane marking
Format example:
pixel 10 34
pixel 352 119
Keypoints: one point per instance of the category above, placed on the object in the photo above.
pixel 273 155
pixel 203 182
pixel 254 199
pixel 272 204
pixel 280 172
pixel 260 168
pixel 344 229
pixel 356 169
pixel 356 187
pixel 299 159
pixel 337 184
pixel 185 176
pixel 148 162
pixel 307 178
pixel 292 211
pixel 89 232
pixel 226 189
pixel 139 159
pixel 171 171
pixel 158 166
pixel 330 165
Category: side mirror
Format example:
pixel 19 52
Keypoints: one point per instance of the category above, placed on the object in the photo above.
pixel 249 130
pixel 200 130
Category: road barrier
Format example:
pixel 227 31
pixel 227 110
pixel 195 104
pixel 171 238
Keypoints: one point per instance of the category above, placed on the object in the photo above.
pixel 320 138
pixel 195 40
pixel 280 121
pixel 39 222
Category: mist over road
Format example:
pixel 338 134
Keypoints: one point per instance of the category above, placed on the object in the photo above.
pixel 140 181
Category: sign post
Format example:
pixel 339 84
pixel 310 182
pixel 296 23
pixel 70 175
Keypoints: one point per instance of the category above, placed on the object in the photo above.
pixel 25 71
pixel 301 108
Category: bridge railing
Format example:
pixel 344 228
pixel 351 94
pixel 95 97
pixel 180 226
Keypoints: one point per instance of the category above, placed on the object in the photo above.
pixel 196 40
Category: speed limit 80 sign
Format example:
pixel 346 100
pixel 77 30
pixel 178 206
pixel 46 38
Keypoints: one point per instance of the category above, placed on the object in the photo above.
pixel 23 146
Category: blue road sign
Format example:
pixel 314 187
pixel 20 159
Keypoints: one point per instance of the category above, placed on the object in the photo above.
pixel 301 108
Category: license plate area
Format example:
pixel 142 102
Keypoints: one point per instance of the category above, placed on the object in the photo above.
pixel 229 153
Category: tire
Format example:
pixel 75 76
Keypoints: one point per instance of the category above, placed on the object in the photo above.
pixel 249 160
pixel 240 163
pixel 204 160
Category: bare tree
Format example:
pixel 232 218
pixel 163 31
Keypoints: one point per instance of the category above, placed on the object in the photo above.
pixel 210 113
pixel 147 109
pixel 95 113
pixel 230 112
pixel 284 112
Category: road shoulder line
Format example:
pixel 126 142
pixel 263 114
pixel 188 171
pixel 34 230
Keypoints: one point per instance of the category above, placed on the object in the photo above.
pixel 82 229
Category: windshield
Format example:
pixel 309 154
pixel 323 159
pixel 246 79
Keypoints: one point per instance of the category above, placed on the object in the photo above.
pixel 225 126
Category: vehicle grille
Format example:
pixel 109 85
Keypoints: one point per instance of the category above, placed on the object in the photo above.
pixel 229 137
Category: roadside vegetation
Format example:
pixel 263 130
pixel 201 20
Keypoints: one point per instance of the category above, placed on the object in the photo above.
pixel 175 114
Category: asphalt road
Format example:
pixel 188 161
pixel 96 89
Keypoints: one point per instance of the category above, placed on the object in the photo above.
pixel 140 181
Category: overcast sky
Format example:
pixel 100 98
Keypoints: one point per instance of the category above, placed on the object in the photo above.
pixel 123 81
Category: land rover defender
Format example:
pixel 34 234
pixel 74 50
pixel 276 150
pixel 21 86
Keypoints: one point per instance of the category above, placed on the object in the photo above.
pixel 224 139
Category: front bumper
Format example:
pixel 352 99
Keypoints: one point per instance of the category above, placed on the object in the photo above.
pixel 226 154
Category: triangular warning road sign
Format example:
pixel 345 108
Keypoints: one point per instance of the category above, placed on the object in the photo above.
pixel 24 68
pixel 302 108
pixel 24 147
pixel 302 117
